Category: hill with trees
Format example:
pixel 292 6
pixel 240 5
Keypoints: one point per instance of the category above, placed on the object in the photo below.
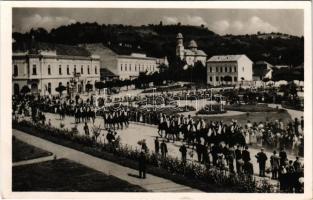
pixel 160 40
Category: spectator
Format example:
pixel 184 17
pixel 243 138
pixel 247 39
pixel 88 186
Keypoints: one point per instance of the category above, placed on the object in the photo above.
pixel 274 165
pixel 261 159
pixel 142 164
pixel 183 151
pixel 157 145
pixel 163 149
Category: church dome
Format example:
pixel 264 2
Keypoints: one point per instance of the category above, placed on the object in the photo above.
pixel 179 36
pixel 192 44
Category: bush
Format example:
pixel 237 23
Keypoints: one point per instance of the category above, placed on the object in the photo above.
pixel 211 109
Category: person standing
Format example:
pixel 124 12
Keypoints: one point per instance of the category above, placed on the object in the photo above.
pixel 157 145
pixel 183 151
pixel 86 129
pixel 142 164
pixel 238 157
pixel 246 155
pixel 283 157
pixel 261 158
pixel 163 149
pixel 274 165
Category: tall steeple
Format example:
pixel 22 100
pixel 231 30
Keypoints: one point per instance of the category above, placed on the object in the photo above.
pixel 180 46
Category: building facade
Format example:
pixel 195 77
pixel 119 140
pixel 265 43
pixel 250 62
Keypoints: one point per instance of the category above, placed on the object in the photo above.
pixel 129 67
pixel 191 54
pixel 43 67
pixel 125 66
pixel 229 69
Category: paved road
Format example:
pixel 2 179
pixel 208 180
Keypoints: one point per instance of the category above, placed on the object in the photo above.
pixel 151 183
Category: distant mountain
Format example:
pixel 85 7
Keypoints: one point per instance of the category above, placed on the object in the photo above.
pixel 160 40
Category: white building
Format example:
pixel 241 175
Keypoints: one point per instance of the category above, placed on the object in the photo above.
pixel 229 69
pixel 192 54
pixel 43 67
pixel 125 66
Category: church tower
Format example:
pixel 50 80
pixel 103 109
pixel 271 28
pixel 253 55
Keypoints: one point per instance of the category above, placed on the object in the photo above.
pixel 180 46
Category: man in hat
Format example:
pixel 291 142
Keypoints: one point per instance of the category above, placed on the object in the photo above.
pixel 261 158
pixel 274 165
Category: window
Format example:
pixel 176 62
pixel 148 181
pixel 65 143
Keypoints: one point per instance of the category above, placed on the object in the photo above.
pixel 49 70
pixel 221 69
pixel 121 67
pixel 211 70
pixel 125 67
pixel 60 70
pixel 74 69
pixel 96 70
pixel 68 70
pixel 211 78
pixel 217 79
pixel 15 70
pixel 82 69
pixel 216 69
pixel 88 70
pixel 135 68
pixel 235 79
pixel 230 69
pixel 34 70
pixel 225 69
pixel 130 67
pixel 235 70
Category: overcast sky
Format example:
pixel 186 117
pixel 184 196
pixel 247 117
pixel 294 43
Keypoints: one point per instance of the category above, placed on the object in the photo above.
pixel 221 21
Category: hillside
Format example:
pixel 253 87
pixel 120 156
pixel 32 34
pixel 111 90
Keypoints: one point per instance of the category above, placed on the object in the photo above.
pixel 159 41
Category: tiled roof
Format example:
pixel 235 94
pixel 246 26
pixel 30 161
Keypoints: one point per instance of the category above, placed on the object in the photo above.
pixel 223 58
pixel 61 49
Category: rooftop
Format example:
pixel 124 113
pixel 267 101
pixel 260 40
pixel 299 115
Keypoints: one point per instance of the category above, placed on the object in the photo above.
pixel 222 58
pixel 60 49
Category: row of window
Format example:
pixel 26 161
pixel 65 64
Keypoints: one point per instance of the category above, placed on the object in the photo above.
pixel 222 78
pixel 34 70
pixel 226 69
pixel 124 67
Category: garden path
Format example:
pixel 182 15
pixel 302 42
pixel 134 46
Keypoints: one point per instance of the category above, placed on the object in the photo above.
pixel 151 183
pixel 33 161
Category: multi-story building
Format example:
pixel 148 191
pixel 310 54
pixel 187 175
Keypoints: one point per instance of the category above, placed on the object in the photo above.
pixel 229 69
pixel 125 66
pixel 192 54
pixel 43 67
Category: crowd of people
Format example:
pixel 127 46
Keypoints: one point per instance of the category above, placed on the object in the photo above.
pixel 216 143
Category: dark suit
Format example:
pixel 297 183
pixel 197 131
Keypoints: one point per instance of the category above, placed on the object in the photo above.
pixel 142 165
pixel 261 158
pixel 246 156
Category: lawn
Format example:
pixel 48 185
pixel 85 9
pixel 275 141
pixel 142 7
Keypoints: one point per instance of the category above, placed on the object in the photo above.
pixel 252 116
pixel 64 175
pixel 22 151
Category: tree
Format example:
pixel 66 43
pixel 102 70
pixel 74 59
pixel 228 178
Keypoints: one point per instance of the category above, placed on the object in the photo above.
pixel 25 89
pixel 100 85
pixel 60 89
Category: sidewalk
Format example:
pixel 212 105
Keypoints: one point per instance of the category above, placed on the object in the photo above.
pixel 151 183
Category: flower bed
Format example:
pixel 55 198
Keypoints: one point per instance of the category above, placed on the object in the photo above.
pixel 251 108
pixel 191 174
pixel 211 109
